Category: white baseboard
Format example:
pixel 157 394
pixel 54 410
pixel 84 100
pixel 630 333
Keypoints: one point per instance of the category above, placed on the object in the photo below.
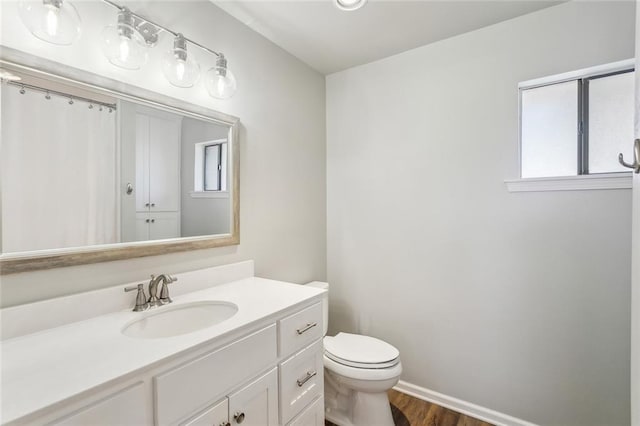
pixel 464 407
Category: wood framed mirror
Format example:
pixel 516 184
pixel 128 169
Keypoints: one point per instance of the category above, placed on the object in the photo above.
pixel 94 170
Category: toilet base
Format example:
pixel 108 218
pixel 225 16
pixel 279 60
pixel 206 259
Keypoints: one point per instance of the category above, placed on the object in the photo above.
pixel 348 407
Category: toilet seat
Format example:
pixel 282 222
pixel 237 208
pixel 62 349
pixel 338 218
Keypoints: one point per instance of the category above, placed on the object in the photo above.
pixel 364 374
pixel 355 364
pixel 357 351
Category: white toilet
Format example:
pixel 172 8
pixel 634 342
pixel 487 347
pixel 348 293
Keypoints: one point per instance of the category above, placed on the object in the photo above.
pixel 359 370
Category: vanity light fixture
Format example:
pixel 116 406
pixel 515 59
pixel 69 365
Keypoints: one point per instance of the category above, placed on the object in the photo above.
pixel 349 5
pixel 178 67
pixel 122 44
pixel 220 81
pixel 55 21
pixel 127 43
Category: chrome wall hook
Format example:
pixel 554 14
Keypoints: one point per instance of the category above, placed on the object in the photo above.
pixel 636 158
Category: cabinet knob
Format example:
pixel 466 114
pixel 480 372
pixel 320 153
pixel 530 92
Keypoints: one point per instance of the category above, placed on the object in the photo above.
pixel 153 204
pixel 225 424
pixel 153 221
pixel 147 220
pixel 146 204
pixel 238 417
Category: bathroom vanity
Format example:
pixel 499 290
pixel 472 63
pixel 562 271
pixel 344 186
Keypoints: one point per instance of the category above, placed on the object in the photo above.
pixel 262 365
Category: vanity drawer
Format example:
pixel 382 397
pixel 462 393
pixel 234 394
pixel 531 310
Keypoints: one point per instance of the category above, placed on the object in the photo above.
pixel 300 329
pixel 185 390
pixel 301 380
pixel 123 407
pixel 313 415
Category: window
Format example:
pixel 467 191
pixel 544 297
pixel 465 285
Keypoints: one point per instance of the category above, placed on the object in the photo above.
pixel 210 168
pixel 577 123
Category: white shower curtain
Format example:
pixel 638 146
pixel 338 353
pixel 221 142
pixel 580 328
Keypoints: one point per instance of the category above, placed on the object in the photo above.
pixel 58 173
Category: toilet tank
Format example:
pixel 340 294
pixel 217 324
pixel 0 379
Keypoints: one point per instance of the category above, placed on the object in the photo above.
pixel 325 304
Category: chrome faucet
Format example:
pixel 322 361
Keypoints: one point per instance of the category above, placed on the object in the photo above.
pixel 141 298
pixel 164 298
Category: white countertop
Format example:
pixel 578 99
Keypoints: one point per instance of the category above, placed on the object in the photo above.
pixel 49 366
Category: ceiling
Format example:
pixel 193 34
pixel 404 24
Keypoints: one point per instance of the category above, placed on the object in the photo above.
pixel 330 40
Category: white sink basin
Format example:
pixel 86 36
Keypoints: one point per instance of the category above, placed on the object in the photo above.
pixel 168 321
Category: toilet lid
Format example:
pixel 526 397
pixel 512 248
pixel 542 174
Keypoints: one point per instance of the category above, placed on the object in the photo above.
pixel 360 351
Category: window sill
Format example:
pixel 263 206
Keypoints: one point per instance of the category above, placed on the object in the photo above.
pixel 571 183
pixel 209 194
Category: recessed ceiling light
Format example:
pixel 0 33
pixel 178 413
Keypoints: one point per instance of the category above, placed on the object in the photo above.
pixel 349 4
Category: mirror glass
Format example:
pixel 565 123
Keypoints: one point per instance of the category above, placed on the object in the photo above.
pixel 83 167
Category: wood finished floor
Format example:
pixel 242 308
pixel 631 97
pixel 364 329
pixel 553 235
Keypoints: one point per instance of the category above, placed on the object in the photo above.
pixel 422 413
pixel 410 411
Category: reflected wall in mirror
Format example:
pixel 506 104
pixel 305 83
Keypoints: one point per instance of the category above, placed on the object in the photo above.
pixel 90 170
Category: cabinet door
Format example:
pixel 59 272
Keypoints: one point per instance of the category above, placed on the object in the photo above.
pixel 218 415
pixel 142 162
pixel 142 227
pixel 164 164
pixel 257 403
pixel 164 225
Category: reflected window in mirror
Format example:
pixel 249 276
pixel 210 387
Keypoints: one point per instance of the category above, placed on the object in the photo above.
pixel 210 167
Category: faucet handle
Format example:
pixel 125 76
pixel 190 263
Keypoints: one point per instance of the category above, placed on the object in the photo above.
pixel 164 290
pixel 141 298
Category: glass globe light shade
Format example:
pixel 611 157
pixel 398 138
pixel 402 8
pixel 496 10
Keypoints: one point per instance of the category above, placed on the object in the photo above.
pixel 349 5
pixel 220 81
pixel 123 45
pixel 54 21
pixel 178 67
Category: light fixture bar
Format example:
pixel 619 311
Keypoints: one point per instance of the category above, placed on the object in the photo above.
pixel 161 27
pixel 61 94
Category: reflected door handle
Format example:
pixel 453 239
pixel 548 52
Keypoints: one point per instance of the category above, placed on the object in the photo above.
pixel 129 189
pixel 636 158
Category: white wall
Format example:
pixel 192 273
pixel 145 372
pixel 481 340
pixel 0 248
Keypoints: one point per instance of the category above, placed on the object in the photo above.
pixel 518 302
pixel 280 102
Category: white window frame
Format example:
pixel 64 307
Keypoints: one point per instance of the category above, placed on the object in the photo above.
pixel 617 180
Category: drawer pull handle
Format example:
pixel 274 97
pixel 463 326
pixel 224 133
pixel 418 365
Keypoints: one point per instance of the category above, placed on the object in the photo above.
pixel 307 327
pixel 238 417
pixel 306 378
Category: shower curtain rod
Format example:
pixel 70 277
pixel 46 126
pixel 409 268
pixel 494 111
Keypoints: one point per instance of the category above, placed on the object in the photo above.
pixel 72 98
